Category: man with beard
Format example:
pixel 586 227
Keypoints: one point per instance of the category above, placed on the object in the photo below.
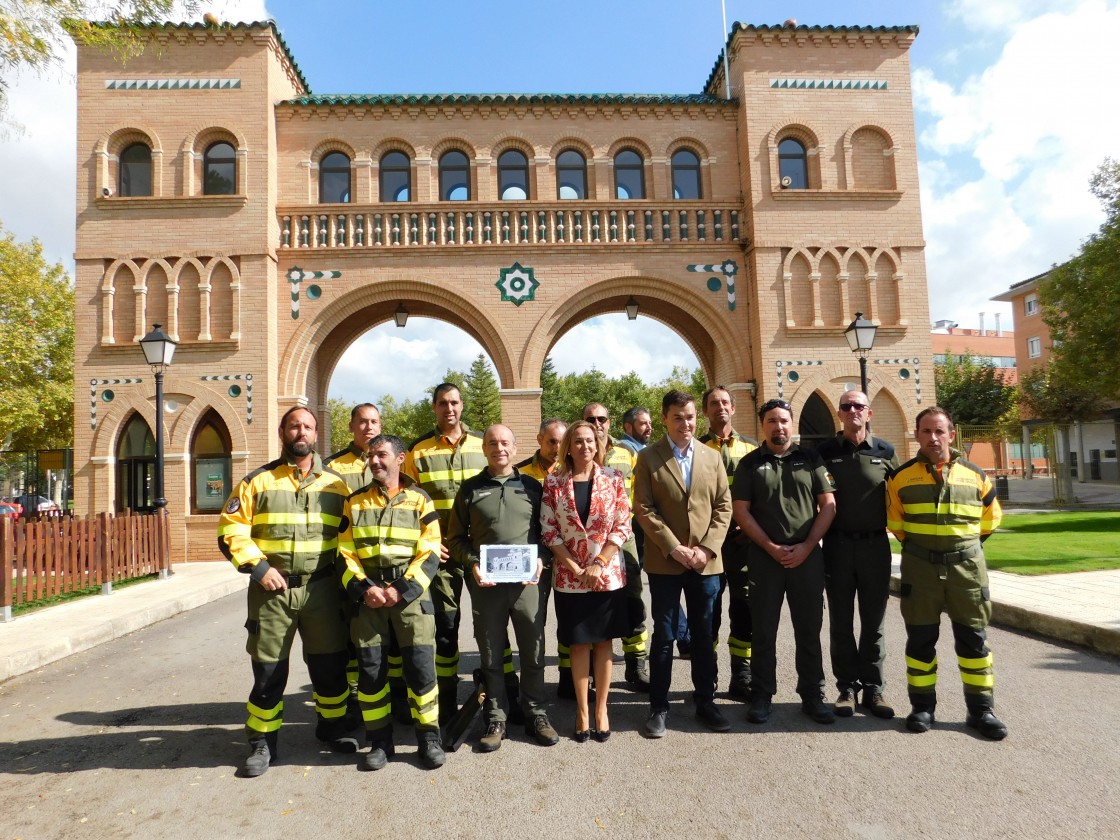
pixel 634 643
pixel 280 526
pixel 390 547
pixel 783 501
pixel 638 429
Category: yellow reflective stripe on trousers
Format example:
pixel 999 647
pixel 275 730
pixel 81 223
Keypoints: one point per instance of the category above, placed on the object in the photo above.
pixel 279 518
pixel 330 701
pixel 297 546
pixel 739 648
pixel 920 681
pixel 918 665
pixel 265 720
pixel 975 664
pixel 382 693
pixel 982 680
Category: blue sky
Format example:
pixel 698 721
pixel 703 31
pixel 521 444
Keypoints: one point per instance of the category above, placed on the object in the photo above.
pixel 1009 105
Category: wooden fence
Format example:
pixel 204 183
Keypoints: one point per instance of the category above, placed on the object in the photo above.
pixel 63 554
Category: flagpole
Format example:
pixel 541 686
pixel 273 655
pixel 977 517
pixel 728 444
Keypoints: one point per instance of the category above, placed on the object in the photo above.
pixel 726 69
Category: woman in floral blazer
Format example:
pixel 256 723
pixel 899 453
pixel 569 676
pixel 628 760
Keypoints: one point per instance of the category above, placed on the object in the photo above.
pixel 585 520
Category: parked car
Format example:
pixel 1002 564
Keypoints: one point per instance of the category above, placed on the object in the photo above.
pixel 32 503
pixel 12 511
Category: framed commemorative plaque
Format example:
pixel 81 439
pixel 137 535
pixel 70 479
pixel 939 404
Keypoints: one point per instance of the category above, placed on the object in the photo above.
pixel 507 563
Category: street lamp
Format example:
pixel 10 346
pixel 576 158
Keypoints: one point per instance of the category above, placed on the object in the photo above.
pixel 632 308
pixel 400 316
pixel 861 338
pixel 158 349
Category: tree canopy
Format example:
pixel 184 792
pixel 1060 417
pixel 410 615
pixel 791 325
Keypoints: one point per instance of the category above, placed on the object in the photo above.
pixel 1080 300
pixel 36 348
pixel 972 390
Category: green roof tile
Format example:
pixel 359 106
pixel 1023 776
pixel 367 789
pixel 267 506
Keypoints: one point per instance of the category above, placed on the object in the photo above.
pixel 506 99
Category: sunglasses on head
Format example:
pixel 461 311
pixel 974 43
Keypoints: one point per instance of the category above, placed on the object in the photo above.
pixel 770 405
pixel 852 407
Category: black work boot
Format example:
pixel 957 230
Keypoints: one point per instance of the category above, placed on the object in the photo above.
pixel 637 672
pixel 429 749
pixel 263 754
pixel 380 751
pixel 984 721
pixel 920 719
pixel 335 734
pixel 740 686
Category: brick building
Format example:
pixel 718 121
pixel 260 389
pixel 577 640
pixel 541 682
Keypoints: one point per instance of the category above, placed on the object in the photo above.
pixel 267 228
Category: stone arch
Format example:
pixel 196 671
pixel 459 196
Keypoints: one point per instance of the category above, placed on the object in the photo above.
pixel 830 305
pixel 118 306
pixel 224 301
pixel 314 350
pixel 690 143
pixel 798 270
pixel 196 143
pixel 456 143
pixel 629 142
pixel 808 137
pixel 107 149
pixel 888 421
pixel 210 397
pixel 815 421
pixel 392 144
pixel 111 423
pixel 706 330
pixel 326 147
pixel 869 166
pixel 506 142
pixel 578 142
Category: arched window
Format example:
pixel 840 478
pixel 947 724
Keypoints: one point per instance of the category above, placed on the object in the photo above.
pixel 454 177
pixel 686 175
pixel 571 175
pixel 219 169
pixel 396 176
pixel 793 163
pixel 629 175
pixel 135 171
pixel 816 423
pixel 513 176
pixel 211 466
pixel 136 466
pixel 334 179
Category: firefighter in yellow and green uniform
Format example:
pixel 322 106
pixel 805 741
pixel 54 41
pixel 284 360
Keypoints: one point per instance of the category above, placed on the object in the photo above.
pixel 719 409
pixel 350 463
pixel 280 526
pixel 635 642
pixel 439 462
pixel 941 508
pixel 390 547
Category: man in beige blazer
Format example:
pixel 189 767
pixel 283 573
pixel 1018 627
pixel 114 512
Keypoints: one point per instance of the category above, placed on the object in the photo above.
pixel 683 505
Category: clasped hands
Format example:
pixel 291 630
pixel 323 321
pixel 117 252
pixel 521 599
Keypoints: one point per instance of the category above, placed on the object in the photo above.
pixel 381 596
pixel 691 557
pixel 789 556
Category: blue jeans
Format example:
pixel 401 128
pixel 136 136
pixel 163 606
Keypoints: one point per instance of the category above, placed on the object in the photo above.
pixel 700 593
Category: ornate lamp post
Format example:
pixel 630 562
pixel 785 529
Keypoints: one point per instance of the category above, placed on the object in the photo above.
pixel 861 338
pixel 158 349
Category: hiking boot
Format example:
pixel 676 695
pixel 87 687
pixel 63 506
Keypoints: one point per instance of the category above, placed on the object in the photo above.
pixel 760 709
pixel 874 703
pixel 637 673
pixel 740 686
pixel 429 749
pixel 492 740
pixel 846 703
pixel 817 709
pixel 262 755
pixel 542 731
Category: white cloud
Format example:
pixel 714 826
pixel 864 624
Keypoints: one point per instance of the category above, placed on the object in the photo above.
pixel 617 346
pixel 986 15
pixel 1035 125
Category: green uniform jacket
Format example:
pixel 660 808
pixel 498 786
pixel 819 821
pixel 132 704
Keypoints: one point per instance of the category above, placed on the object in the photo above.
pixel 440 466
pixel 731 450
pixel 782 490
pixel 278 518
pixel 392 541
pixel 861 474
pixel 941 510
pixel 350 463
pixel 494 511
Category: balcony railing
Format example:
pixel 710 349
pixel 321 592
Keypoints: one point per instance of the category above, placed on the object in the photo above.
pixel 505 223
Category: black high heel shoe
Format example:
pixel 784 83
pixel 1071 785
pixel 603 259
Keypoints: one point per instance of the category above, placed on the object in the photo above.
pixel 601 735
pixel 581 736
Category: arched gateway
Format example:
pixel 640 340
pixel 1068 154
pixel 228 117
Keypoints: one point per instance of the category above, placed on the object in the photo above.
pixel 267 228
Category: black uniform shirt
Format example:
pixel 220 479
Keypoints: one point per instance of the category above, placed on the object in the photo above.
pixel 782 490
pixel 861 474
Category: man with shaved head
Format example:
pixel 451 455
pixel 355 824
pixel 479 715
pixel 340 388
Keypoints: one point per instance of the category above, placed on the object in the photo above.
pixel 502 506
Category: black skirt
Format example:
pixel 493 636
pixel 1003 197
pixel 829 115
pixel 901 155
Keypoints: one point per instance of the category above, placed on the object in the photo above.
pixel 583 618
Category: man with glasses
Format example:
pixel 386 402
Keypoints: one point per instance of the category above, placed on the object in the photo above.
pixel 634 643
pixel 783 500
pixel 857 557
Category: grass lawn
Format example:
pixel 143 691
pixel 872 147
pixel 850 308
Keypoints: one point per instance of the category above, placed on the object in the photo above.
pixel 1052 543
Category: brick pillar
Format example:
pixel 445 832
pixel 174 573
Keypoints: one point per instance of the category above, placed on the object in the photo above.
pixel 521 411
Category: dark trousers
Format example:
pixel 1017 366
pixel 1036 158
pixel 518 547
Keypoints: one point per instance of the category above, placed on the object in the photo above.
pixel 700 593
pixel 857 572
pixel 803 588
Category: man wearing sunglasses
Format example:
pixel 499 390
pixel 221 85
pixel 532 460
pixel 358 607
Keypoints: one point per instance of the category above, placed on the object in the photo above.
pixel 783 500
pixel 857 557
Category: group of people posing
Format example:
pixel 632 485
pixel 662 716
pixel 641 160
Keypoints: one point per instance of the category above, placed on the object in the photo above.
pixel 366 555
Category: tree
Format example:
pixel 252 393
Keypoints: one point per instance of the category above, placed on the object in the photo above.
pixel 972 391
pixel 36 348
pixel 408 420
pixel 1080 300
pixel 549 385
pixel 32 31
pixel 339 412
pixel 1047 395
pixel 482 401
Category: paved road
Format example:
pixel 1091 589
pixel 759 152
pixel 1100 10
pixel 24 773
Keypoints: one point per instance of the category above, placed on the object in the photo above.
pixel 141 737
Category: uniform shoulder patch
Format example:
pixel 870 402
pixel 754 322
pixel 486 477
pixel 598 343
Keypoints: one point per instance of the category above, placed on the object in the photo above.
pixel 234 505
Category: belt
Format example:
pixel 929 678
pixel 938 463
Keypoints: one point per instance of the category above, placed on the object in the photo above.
pixel 947 557
pixel 386 574
pixel 856 535
pixel 296 581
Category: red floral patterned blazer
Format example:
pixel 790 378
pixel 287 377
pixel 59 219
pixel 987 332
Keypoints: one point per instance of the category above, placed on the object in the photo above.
pixel 607 521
